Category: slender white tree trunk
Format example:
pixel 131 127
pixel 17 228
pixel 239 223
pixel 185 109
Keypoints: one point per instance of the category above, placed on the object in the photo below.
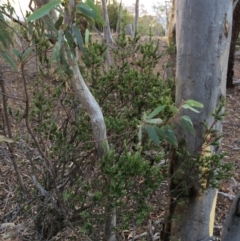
pixel 106 28
pixel 119 17
pixel 107 32
pixel 203 34
pixel 136 16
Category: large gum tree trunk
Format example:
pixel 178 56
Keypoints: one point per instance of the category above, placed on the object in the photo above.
pixel 235 33
pixel 203 34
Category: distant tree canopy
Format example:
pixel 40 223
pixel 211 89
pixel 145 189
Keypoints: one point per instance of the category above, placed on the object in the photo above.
pixel 113 14
pixel 147 22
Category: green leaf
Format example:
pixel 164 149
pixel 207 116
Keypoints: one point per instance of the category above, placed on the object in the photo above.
pixel 144 117
pixel 80 42
pixel 10 60
pixel 70 40
pixel 85 9
pixel 87 34
pixel 174 109
pixel 188 119
pixel 91 4
pixel 152 134
pixel 170 136
pixel 186 106
pixel 5 139
pixel 156 111
pixel 44 10
pixel 57 46
pixel 140 134
pixel 27 52
pixel 194 103
pixel 65 64
pixel 51 37
pixel 160 132
pixel 56 51
pixel 186 123
pixel 155 121
pixel 79 38
pixel 59 22
pixel 17 53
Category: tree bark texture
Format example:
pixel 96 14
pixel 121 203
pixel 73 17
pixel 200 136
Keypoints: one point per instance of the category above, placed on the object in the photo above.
pixel 235 33
pixel 171 40
pixel 231 230
pixel 203 34
pixel 107 33
pixel 136 16
pixel 106 28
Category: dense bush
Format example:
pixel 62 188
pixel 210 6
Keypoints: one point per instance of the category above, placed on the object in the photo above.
pixel 77 184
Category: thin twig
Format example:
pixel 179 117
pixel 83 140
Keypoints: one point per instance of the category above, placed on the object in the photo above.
pixel 48 161
pixel 9 130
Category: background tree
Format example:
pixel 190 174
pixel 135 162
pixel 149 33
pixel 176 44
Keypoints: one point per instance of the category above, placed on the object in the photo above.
pixel 235 35
pixel 147 23
pixel 136 16
pixel 114 8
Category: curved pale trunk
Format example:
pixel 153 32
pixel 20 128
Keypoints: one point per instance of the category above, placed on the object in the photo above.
pixel 91 106
pixel 203 34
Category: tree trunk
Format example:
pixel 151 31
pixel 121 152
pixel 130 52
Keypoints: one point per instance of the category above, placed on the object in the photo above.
pixel 136 16
pixel 119 17
pixel 106 28
pixel 231 229
pixel 171 40
pixel 171 37
pixel 107 33
pixel 203 35
pixel 235 33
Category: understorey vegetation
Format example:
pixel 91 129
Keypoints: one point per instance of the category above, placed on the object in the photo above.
pixel 60 181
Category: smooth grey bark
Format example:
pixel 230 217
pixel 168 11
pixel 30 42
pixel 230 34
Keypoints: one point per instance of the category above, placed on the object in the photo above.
pixel 107 33
pixel 129 29
pixel 119 17
pixel 136 16
pixel 106 28
pixel 231 228
pixel 171 41
pixel 203 35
